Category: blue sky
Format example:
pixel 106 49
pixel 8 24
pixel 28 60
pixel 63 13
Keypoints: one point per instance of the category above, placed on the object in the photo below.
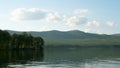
pixel 94 16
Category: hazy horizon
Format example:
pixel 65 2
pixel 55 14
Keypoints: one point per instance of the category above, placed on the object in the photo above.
pixel 61 31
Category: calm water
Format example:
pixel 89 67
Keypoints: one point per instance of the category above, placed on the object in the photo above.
pixel 62 57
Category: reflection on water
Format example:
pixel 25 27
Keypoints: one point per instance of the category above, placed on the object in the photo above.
pixel 19 57
pixel 62 57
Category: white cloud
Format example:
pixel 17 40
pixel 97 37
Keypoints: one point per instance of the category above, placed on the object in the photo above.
pixel 53 17
pixel 76 20
pixel 111 24
pixel 90 30
pixel 93 23
pixel 81 11
pixel 87 30
pixel 45 28
pixel 99 32
pixel 28 14
pixel 21 14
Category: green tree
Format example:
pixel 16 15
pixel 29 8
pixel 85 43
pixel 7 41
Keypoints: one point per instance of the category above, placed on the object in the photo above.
pixel 19 41
pixel 4 39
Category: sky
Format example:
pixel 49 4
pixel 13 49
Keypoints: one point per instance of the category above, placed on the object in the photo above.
pixel 93 16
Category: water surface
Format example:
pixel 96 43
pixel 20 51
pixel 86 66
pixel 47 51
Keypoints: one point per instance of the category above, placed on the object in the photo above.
pixel 62 57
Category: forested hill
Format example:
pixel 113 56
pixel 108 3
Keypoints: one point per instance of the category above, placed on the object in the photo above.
pixel 116 34
pixel 74 34
pixel 74 37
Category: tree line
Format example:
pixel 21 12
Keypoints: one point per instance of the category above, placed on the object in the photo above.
pixel 19 41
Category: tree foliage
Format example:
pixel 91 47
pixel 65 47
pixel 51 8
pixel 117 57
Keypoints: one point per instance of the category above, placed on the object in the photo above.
pixel 19 41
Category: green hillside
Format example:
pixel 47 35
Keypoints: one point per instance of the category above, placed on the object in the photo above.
pixel 75 37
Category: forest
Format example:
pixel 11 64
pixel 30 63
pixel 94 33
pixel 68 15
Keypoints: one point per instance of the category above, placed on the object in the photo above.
pixel 19 41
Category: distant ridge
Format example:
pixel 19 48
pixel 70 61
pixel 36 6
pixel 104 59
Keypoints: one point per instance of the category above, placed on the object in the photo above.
pixel 116 34
pixel 61 34
pixel 73 37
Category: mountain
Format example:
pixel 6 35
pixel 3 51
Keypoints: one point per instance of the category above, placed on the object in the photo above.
pixel 74 37
pixel 116 34
pixel 54 34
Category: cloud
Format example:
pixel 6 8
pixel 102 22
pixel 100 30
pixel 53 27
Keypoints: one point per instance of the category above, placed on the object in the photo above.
pixel 53 17
pixel 28 14
pixel 81 11
pixel 87 30
pixel 45 28
pixel 76 20
pixel 90 30
pixel 110 23
pixel 93 23
pixel 99 32
pixel 22 14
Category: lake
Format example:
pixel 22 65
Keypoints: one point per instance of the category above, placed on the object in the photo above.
pixel 62 57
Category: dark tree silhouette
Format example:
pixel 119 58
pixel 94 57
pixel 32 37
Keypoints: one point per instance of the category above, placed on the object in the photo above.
pixel 19 41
